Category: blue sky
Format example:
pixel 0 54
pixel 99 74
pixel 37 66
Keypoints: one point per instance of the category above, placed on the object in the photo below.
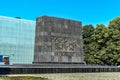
pixel 88 11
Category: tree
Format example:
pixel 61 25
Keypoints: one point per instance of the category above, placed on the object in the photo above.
pixel 102 44
pixel 113 43
pixel 115 24
pixel 99 39
pixel 87 32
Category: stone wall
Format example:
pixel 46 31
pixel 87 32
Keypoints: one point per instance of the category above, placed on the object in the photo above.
pixel 58 40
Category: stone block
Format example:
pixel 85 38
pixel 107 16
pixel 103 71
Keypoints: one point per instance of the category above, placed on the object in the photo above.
pixel 60 36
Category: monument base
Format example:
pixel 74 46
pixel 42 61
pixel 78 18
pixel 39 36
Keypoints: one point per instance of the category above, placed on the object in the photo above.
pixel 56 68
pixel 55 63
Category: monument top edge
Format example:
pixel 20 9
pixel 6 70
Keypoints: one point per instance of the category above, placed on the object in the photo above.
pixel 54 17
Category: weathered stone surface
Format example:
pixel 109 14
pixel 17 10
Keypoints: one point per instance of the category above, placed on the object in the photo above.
pixel 58 40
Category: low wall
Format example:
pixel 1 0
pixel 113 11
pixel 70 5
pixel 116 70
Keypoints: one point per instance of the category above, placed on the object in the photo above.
pixel 56 69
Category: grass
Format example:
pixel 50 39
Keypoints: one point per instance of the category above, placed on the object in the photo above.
pixel 23 78
pixel 65 76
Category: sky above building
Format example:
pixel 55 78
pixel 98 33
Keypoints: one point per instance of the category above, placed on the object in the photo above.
pixel 87 11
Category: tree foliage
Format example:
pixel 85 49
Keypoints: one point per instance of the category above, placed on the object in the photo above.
pixel 102 44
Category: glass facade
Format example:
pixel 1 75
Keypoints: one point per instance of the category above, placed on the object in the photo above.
pixel 17 40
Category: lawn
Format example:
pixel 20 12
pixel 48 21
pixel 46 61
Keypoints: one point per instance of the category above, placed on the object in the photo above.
pixel 23 78
pixel 66 76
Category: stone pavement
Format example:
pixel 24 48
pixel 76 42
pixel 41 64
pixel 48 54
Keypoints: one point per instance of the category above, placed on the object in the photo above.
pixel 76 76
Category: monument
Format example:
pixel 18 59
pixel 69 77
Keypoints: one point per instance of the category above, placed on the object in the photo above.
pixel 58 49
pixel 58 40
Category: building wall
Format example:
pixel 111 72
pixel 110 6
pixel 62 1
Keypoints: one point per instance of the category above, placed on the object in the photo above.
pixel 58 40
pixel 17 39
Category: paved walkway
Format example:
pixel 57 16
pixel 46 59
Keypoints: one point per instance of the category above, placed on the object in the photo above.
pixel 76 76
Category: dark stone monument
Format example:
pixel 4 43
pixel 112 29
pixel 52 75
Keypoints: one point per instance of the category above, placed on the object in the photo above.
pixel 58 40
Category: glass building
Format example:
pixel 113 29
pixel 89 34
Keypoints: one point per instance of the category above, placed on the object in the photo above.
pixel 16 40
